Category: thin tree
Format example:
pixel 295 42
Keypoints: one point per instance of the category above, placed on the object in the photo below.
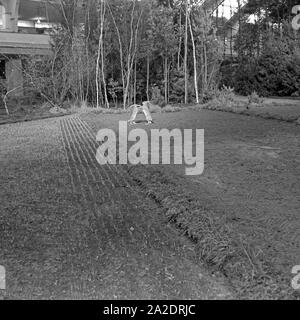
pixel 148 77
pixel 166 71
pixel 195 60
pixel 149 49
pixel 134 82
pixel 185 54
pixel 132 51
pixel 120 50
pixel 180 39
pixel 100 55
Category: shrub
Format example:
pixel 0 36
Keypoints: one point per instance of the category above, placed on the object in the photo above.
pixel 109 111
pixel 169 108
pixel 154 108
pixel 255 98
pixel 156 96
pixel 274 72
pixel 224 98
pixel 208 95
pixel 78 106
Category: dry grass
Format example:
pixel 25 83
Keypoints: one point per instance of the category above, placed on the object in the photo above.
pixel 169 108
pixel 242 213
pixel 219 246
pixel 71 229
pixel 20 113
pixel 279 109
pixel 288 111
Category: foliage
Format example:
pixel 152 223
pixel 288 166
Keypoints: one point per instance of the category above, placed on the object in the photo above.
pixel 168 108
pixel 156 96
pixel 268 52
pixel 279 67
pixel 126 51
pixel 113 89
pixel 275 72
pixel 141 46
pixel 255 98
pixel 224 98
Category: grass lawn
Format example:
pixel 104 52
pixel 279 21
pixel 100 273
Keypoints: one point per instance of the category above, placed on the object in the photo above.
pixel 243 211
pixel 72 229
pixel 268 108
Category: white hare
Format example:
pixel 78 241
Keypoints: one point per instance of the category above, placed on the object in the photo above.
pixel 136 108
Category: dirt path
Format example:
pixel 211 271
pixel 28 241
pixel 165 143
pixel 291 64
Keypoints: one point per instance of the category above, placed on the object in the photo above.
pixel 72 229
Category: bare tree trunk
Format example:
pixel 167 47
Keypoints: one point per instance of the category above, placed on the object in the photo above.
pixel 180 40
pixel 148 76
pixel 130 94
pixel 87 54
pixel 205 65
pixel 126 93
pixel 259 32
pixel 168 77
pixel 240 21
pixel 53 76
pixel 100 55
pixel 134 83
pixel 195 63
pixel 4 97
pixel 131 52
pixel 120 51
pixel 185 54
pixel 100 91
pixel 103 6
pixel 165 64
pixel 97 73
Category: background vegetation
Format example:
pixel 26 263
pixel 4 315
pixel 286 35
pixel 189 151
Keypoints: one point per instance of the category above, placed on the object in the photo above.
pixel 119 52
pixel 268 50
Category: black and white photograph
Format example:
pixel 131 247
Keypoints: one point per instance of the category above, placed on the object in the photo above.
pixel 149 152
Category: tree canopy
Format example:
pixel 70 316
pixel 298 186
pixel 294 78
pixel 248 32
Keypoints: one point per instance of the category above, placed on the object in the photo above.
pixel 119 52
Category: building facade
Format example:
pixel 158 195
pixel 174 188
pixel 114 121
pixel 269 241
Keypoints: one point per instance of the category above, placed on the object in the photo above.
pixel 24 30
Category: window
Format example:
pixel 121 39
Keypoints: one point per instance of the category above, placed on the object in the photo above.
pixel 2 69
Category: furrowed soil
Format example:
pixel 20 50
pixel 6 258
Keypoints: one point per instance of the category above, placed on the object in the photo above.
pixel 72 229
